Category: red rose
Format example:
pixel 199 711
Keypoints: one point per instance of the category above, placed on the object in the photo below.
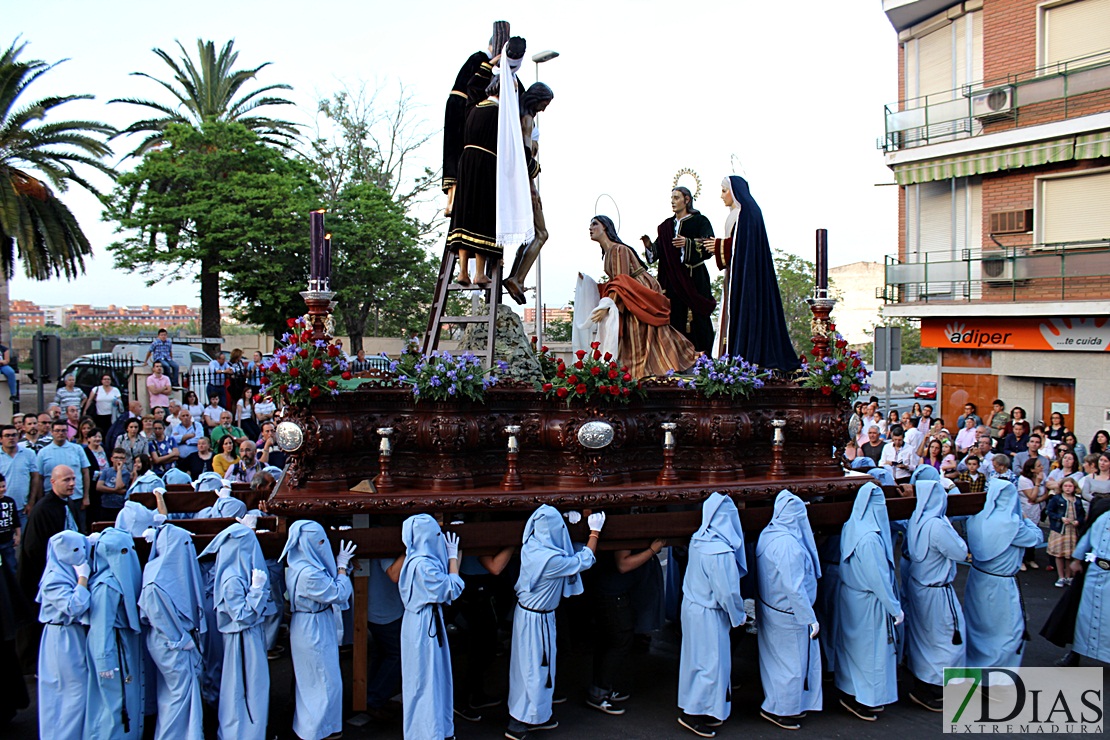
pixel 832 327
pixel 332 384
pixel 314 391
pixel 613 374
pixel 333 351
pixel 573 379
pixel 595 370
pixel 265 380
pixel 595 345
pixel 579 365
pixel 284 388
pixel 581 353
pixel 561 372
pixel 626 377
pixel 580 389
pixel 346 375
pixel 614 390
pixel 626 392
pixel 543 348
pixel 608 356
pixel 826 390
pixel 561 393
pixel 303 354
pixel 257 397
pixel 290 322
pixel 306 335
pixel 317 363
pixel 841 366
pixel 855 363
pixel 855 387
pixel 597 354
pixel 624 368
pixel 547 387
pixel 534 339
pixel 294 372
pixel 841 344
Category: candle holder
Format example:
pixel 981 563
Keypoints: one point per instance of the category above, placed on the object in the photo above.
pixel 821 305
pixel 777 470
pixel 512 480
pixel 320 305
pixel 384 481
pixel 668 475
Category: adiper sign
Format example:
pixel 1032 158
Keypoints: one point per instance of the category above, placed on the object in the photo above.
pixel 1068 334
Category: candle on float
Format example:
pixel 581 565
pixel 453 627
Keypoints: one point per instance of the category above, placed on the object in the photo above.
pixel 316 233
pixel 822 259
pixel 325 265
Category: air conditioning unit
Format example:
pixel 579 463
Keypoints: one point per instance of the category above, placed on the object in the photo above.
pixel 1012 222
pixel 993 104
pixel 998 268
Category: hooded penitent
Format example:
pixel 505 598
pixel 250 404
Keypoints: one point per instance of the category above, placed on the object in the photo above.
pixel 1092 626
pixel 136 519
pixel 64 610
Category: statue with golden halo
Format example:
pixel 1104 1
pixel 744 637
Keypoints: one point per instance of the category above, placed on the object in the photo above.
pixel 681 255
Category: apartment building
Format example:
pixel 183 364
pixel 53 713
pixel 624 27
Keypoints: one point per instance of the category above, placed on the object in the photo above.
pixel 1000 146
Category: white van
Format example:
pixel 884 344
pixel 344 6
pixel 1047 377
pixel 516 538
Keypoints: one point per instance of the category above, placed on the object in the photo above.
pixel 186 356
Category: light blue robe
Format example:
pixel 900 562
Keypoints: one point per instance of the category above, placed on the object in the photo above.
pixel 549 570
pixel 135 519
pixel 867 604
pixel 213 639
pixel 997 537
pixel 316 592
pixel 228 507
pixel 176 476
pixel 1092 626
pixel 209 481
pixel 115 705
pixel 827 589
pixel 244 701
pixel 63 672
pixel 934 618
pixel 426 683
pixel 787 569
pixel 711 604
pixel 172 605
pixel 146 483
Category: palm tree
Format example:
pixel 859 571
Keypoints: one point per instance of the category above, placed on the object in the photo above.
pixel 35 225
pixel 206 91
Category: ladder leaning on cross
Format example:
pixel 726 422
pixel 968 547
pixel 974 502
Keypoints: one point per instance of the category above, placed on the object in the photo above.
pixel 444 287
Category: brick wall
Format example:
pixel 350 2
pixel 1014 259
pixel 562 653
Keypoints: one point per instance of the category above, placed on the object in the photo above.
pixel 1009 37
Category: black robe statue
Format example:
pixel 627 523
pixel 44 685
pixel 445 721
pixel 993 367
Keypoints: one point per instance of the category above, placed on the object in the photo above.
pixel 684 279
pixel 756 325
pixel 458 106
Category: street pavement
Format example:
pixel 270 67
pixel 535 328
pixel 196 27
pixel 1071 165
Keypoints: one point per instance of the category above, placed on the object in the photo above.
pixel 651 711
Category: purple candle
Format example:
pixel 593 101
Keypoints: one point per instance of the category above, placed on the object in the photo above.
pixel 316 222
pixel 325 265
pixel 822 259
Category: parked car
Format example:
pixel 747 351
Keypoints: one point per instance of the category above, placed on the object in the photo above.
pixel 927 390
pixel 87 370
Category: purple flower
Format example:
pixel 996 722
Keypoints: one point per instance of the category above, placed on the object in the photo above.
pixel 320 343
pixel 293 388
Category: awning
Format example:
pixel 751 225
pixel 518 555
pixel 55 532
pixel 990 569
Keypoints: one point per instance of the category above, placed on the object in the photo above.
pixel 1092 146
pixel 997 160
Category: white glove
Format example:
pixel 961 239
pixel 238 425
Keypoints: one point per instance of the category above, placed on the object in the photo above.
pixel 93 538
pixel 82 570
pixel 596 521
pixel 1089 557
pixel 452 545
pixel 900 618
pixel 108 675
pixel 224 492
pixel 813 630
pixel 248 520
pixel 573 517
pixel 346 554
pixel 258 578
pixel 159 491
pixel 149 534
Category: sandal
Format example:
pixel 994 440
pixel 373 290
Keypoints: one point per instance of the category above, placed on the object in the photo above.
pixel 1034 566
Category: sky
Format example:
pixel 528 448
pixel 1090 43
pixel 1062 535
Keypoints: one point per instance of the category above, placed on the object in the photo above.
pixel 788 95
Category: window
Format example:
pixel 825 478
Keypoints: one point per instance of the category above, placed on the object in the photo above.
pixel 942 59
pixel 943 219
pixel 1073 208
pixel 1070 30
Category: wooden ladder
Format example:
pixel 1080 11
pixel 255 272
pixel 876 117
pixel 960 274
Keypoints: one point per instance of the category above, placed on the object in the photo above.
pixel 444 287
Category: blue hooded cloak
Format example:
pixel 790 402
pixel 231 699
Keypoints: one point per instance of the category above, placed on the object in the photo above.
pixel 63 671
pixel 115 705
pixel 867 604
pixel 146 483
pixel 172 604
pixel 426 683
pixel 1092 626
pixel 787 569
pixel 711 605
pixel 549 570
pixel 176 476
pixel 993 609
pixel 316 593
pixel 934 618
pixel 135 519
pixel 244 696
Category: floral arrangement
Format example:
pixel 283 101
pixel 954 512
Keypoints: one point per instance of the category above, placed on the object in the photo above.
pixel 441 376
pixel 303 368
pixel 842 371
pixel 591 376
pixel 727 376
pixel 549 364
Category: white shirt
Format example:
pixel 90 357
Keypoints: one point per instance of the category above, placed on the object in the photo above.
pixel 213 413
pixel 906 456
pixel 105 400
pixel 914 439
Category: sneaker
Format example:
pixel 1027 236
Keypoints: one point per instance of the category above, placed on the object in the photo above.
pixel 619 696
pixel 933 705
pixel 1022 568
pixel 858 709
pixel 550 724
pixel 276 652
pixel 604 705
pixel 558 698
pixel 517 735
pixel 1070 659
pixel 481 701
pixel 786 723
pixel 1061 582
pixel 468 713
pixel 692 724
pixel 1067 581
pixel 711 721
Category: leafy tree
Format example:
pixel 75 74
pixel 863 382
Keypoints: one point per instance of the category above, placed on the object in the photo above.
pixel 558 330
pixel 797 280
pixel 36 227
pixel 912 351
pixel 218 200
pixel 206 91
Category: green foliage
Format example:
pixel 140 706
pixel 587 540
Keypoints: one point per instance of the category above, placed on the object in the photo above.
pixel 796 283
pixel 725 376
pixel 912 351
pixel 219 200
pixel 558 330
pixel 206 91
pixel 36 227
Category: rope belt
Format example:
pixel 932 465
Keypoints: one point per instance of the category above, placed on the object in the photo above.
pixel 1021 601
pixel 327 607
pixel 780 611
pixel 534 611
pixel 243 669
pixel 123 680
pixel 950 597
pixel 481 149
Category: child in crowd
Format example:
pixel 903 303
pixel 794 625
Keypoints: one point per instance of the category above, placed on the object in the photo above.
pixel 1065 516
pixel 976 481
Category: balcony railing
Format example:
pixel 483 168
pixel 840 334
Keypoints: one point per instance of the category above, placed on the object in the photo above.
pixel 1031 272
pixel 961 112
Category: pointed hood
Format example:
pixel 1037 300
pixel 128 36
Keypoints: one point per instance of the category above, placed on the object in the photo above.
pixel 173 569
pixel 237 553
pixel 175 476
pixel 993 529
pixel 924 472
pixel 423 540
pixel 209 481
pixel 545 536
pixel 928 512
pixel 868 515
pixel 116 566
pixel 791 520
pixel 308 546
pixel 720 530
pixel 224 508
pixel 134 518
pixel 63 551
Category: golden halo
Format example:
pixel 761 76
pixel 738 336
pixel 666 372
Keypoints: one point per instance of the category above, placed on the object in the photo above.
pixel 687 171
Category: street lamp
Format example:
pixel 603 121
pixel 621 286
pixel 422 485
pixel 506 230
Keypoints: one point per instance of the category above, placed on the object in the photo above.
pixel 539 58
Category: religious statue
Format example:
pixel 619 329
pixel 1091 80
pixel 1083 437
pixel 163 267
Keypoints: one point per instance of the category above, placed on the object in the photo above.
pixel 648 344
pixel 753 325
pixel 535 99
pixel 492 207
pixel 682 255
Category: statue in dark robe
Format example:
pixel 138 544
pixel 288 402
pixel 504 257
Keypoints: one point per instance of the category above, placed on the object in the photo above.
pixel 681 255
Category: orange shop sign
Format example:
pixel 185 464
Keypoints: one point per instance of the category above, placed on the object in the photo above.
pixel 1065 334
